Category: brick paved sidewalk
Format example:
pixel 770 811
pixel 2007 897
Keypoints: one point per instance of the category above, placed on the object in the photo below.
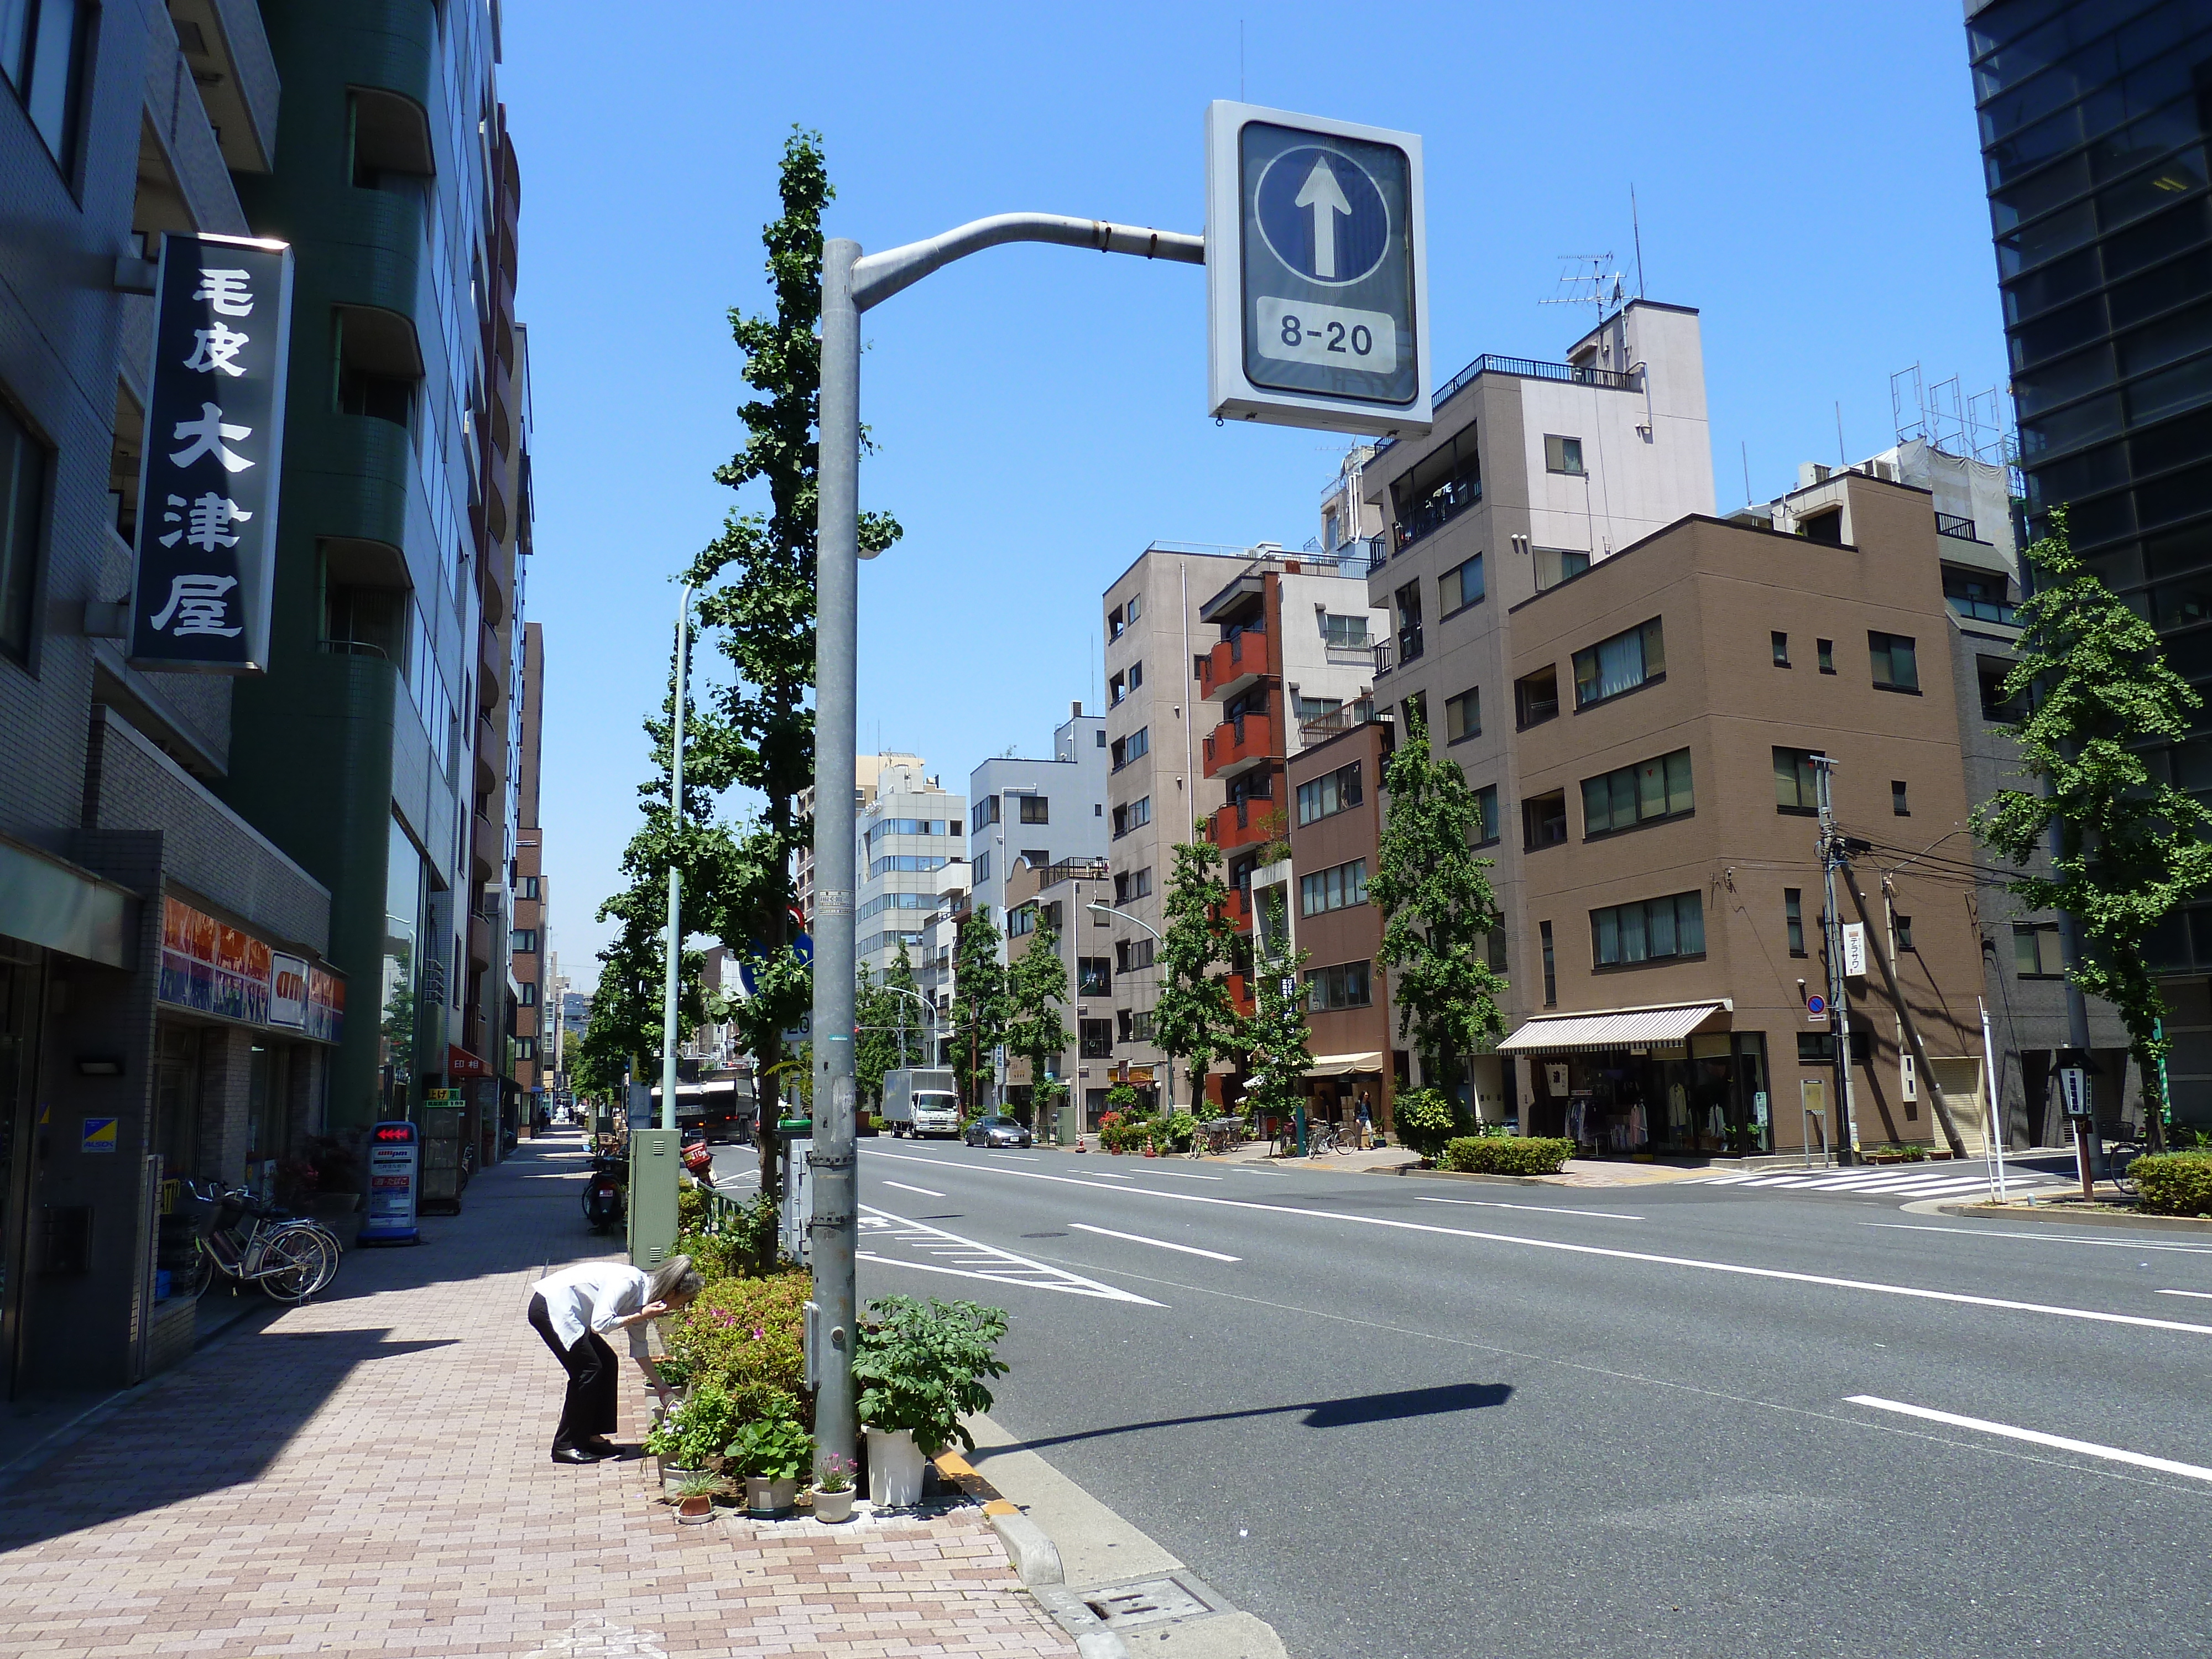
pixel 369 1476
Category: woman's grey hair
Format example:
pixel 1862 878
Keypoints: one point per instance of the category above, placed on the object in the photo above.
pixel 674 1280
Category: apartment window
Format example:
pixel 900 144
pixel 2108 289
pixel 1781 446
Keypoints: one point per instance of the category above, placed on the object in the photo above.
pixel 1551 970
pixel 1115 623
pixel 1444 485
pixel 24 464
pixel 1796 787
pixel 1826 528
pixel 1895 668
pixel 1555 565
pixel 2036 950
pixel 1095 1039
pixel 1140 1026
pixel 525 887
pixel 1462 585
pixel 1826 650
pixel 1655 930
pixel 1620 664
pixel 1643 793
pixel 1314 708
pixel 1485 807
pixel 1134 816
pixel 1198 668
pixel 1136 675
pixel 983 867
pixel 1100 734
pixel 1997 707
pixel 1037 858
pixel 1818 1047
pixel 940 827
pixel 524 942
pixel 1130 955
pixel 1897 803
pixel 525 994
pixel 1463 715
pixel 907 863
pixel 383 396
pixel 1332 889
pixel 1125 749
pixel 1408 601
pixel 1344 986
pixel 1136 606
pixel 1494 948
pixel 1116 689
pixel 1128 1023
pixel 1094 976
pixel 1344 633
pixel 1331 793
pixel 1536 696
pixel 1903 927
pixel 984 811
pixel 1021 920
pixel 1544 820
pixel 41 53
pixel 1036 809
pixel 524 1047
pixel 1563 454
pixel 1055 915
pixel 1793 919
pixel 1781 642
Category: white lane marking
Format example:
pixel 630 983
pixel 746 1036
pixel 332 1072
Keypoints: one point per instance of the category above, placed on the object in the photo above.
pixel 1180 1175
pixel 1138 1238
pixel 1007 1268
pixel 1547 1209
pixel 925 1192
pixel 1777 1273
pixel 2203 1294
pixel 2050 1238
pixel 1107 1175
pixel 2087 1448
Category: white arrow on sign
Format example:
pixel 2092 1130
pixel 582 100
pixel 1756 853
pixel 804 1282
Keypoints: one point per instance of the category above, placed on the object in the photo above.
pixel 1326 198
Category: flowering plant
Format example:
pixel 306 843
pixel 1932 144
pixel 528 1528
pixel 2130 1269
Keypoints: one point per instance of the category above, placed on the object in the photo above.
pixel 837 1473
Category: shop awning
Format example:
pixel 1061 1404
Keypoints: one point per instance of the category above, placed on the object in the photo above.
pixel 1347 1065
pixel 1624 1028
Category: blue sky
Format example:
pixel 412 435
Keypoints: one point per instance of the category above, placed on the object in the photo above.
pixel 1807 175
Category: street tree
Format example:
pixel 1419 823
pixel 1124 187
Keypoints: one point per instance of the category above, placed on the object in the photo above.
pixel 978 1006
pixel 1276 1036
pixel 891 1028
pixel 2126 846
pixel 1438 909
pixel 1194 1020
pixel 756 582
pixel 1036 995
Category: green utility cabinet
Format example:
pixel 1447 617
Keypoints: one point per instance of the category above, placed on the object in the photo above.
pixel 655 1157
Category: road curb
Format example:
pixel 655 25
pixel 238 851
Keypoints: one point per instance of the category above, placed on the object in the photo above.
pixel 1467 1175
pixel 2051 1215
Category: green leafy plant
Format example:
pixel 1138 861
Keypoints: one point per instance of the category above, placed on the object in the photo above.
pixel 2173 1183
pixel 1515 1155
pixel 746 1332
pixel 1912 1151
pixel 703 1485
pixel 771 1449
pixel 1426 1121
pixel 920 1367
pixel 694 1435
pixel 1193 1019
pixel 979 1007
pixel 1036 996
pixel 1274 1039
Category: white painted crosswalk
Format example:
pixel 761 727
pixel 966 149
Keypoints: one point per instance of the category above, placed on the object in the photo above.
pixel 1908 1181
pixel 894 1241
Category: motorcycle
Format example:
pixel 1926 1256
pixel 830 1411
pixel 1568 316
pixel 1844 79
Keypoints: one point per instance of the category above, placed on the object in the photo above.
pixel 603 1194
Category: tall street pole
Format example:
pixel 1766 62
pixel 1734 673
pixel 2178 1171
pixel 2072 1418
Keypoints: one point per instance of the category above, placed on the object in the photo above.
pixel 1831 939
pixel 675 880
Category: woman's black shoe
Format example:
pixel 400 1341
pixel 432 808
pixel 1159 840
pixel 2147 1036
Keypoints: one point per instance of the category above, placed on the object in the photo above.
pixel 575 1455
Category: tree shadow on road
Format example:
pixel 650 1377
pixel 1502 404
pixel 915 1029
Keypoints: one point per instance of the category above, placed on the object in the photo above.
pixel 1350 1411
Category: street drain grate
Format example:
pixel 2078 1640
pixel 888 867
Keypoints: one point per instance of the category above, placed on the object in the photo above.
pixel 1127 1606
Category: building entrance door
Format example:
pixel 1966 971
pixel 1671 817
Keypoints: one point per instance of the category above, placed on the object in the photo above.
pixel 21 971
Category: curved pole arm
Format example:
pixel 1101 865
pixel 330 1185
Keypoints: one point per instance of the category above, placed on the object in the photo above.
pixel 876 276
pixel 1107 909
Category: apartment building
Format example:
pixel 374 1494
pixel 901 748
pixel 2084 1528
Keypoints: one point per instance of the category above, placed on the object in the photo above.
pixel 909 828
pixel 528 970
pixel 1155 793
pixel 940 938
pixel 866 768
pixel 1038 811
pixel 1059 896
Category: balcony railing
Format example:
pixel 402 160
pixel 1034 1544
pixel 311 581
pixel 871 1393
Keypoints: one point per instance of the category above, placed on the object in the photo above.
pixel 1439 510
pixel 1527 368
pixel 1248 736
pixel 1950 524
pixel 1984 611
pixel 1322 727
pixel 1075 869
pixel 1385 657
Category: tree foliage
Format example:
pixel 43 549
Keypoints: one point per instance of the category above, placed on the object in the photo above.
pixel 1194 1020
pixel 894 1029
pixel 1036 995
pixel 1275 1037
pixel 978 1005
pixel 2130 847
pixel 1438 910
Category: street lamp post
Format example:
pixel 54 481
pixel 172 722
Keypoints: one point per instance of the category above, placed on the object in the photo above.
pixel 850 285
pixel 675 880
pixel 1167 1095
pixel 928 1007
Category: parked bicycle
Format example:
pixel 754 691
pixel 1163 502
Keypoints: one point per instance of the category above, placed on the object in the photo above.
pixel 242 1238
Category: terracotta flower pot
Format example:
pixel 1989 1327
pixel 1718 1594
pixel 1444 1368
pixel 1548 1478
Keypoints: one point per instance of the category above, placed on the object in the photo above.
pixel 695 1509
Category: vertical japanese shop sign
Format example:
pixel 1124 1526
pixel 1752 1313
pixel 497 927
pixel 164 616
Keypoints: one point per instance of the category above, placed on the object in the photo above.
pixel 214 448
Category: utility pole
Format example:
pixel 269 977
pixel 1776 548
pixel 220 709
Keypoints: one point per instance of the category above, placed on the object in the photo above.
pixel 1921 1068
pixel 1831 941
pixel 675 880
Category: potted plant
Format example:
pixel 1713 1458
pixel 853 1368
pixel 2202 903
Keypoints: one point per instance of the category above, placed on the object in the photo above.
pixel 833 1492
pixel 920 1369
pixel 696 1495
pixel 688 1439
pixel 770 1453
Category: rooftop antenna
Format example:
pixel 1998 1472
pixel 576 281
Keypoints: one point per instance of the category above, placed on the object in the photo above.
pixel 1910 421
pixel 1635 227
pixel 1597 286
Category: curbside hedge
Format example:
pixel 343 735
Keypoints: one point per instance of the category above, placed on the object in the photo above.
pixel 2173 1183
pixel 1515 1154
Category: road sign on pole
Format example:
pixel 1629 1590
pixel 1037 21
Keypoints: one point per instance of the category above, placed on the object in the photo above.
pixel 1316 272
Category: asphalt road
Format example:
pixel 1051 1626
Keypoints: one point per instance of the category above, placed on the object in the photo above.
pixel 1404 1416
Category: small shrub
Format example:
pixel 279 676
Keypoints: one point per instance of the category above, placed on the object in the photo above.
pixel 746 1333
pixel 1425 1121
pixel 771 1449
pixel 1122 1097
pixel 922 1367
pixel 695 1434
pixel 1514 1155
pixel 1175 1134
pixel 2173 1183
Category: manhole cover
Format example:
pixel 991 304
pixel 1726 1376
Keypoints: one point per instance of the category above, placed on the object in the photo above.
pixel 1124 1606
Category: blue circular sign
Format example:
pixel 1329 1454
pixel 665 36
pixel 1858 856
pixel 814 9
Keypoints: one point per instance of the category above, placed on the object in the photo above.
pixel 1322 215
pixel 1816 1004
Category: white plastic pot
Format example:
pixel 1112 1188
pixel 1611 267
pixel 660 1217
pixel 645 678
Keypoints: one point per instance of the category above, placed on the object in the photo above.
pixel 895 1466
pixel 833 1508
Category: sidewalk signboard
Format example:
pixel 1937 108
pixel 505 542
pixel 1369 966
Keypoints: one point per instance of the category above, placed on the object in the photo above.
pixel 395 1169
pixel 1317 263
pixel 441 1171
pixel 2073 1090
pixel 1855 954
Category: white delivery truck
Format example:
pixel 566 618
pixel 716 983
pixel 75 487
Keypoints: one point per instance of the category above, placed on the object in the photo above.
pixel 921 1101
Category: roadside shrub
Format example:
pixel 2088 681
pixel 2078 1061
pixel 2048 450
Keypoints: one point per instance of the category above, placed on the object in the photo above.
pixel 922 1367
pixel 744 1334
pixel 1513 1155
pixel 1425 1121
pixel 2173 1183
pixel 1124 1134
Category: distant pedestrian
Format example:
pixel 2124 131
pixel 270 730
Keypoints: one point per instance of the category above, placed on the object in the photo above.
pixel 1366 1123
pixel 571 1309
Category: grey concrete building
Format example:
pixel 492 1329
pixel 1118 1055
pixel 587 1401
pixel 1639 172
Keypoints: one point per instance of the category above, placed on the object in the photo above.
pixel 1040 812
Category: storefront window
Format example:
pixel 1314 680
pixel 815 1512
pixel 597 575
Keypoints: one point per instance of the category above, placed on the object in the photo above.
pixel 397 1031
pixel 177 1098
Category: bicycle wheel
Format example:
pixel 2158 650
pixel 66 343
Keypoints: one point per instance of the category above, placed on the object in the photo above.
pixel 296 1263
pixel 194 1280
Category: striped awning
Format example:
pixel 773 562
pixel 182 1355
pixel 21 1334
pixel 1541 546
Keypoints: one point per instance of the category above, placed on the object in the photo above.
pixel 1347 1065
pixel 1627 1028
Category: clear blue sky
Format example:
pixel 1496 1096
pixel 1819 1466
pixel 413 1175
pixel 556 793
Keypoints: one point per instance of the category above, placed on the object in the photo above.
pixel 1807 174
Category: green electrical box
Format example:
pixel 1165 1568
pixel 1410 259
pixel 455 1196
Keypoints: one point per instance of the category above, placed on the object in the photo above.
pixel 655 1157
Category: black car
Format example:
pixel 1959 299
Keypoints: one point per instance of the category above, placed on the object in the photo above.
pixel 997 1132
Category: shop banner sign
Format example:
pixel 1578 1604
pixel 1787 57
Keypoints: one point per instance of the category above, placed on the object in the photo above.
pixel 212 452
pixel 288 991
pixel 325 1006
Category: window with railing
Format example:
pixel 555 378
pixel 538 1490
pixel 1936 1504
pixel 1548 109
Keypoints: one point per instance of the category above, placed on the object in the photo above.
pixel 1408 601
pixel 1536 696
pixel 1344 633
pixel 1443 486
pixel 1950 524
pixel 1095 1039
pixel 1979 598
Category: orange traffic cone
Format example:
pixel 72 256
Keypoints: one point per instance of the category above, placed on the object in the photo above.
pixel 1080 1147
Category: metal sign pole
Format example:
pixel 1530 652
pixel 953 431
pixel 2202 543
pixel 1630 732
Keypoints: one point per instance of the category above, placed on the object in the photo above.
pixel 674 977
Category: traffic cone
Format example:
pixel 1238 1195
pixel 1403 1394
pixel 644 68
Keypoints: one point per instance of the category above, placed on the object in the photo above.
pixel 1080 1147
